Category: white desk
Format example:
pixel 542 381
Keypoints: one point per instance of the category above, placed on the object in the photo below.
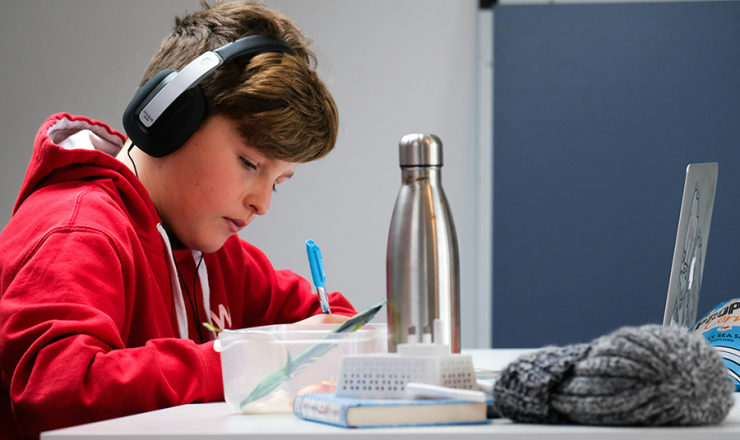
pixel 204 421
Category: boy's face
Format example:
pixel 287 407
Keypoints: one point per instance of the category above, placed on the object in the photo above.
pixel 214 185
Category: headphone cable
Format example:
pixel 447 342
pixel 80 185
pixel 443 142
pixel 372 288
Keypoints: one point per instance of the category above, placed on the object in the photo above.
pixel 194 309
pixel 132 159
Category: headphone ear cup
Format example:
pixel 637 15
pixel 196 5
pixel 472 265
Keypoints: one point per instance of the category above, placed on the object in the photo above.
pixel 173 128
pixel 177 123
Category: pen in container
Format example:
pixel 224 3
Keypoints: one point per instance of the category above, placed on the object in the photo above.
pixel 318 274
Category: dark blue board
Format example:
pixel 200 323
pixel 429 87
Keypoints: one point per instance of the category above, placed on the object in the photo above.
pixel 598 108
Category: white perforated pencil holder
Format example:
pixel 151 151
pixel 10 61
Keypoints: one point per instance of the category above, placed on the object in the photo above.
pixel 384 376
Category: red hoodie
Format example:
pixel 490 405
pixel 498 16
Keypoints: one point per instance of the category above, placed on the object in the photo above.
pixel 94 321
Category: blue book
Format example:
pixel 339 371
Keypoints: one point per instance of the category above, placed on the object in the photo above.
pixel 372 413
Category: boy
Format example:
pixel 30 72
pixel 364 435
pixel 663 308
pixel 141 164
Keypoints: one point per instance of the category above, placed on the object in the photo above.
pixel 114 257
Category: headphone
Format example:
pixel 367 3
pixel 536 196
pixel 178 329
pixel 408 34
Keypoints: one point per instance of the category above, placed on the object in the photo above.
pixel 168 109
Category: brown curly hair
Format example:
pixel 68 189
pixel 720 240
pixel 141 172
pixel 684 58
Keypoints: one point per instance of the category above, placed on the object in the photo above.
pixel 282 107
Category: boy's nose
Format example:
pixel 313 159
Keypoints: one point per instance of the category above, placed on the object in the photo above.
pixel 258 201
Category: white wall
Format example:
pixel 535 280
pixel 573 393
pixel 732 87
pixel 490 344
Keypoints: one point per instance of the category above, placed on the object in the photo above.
pixel 394 67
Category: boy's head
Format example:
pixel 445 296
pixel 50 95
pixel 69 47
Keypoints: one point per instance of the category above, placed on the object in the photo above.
pixel 262 116
pixel 279 104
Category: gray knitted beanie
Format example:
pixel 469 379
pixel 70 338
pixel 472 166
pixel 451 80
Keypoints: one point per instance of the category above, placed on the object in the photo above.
pixel 637 376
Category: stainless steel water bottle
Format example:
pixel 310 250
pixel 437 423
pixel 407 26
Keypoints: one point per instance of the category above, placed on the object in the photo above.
pixel 422 265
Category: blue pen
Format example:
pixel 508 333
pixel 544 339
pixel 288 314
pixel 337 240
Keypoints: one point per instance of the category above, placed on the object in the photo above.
pixel 317 272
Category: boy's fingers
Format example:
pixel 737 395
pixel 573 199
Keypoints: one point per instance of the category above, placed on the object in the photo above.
pixel 324 319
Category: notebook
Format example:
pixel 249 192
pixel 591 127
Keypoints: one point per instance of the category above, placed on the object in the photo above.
pixel 691 245
pixel 377 413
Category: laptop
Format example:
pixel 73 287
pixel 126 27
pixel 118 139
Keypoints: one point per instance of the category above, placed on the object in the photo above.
pixel 691 245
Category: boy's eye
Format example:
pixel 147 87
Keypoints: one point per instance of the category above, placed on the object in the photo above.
pixel 247 164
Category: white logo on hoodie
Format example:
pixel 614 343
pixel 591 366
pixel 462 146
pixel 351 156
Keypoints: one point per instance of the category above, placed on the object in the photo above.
pixel 223 316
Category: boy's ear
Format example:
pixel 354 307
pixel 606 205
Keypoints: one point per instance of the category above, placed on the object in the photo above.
pixel 174 127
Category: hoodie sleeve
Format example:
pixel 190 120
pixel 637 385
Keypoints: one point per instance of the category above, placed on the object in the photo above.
pixel 64 316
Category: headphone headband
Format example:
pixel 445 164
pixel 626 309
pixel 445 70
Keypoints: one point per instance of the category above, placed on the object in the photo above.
pixel 166 102
pixel 253 45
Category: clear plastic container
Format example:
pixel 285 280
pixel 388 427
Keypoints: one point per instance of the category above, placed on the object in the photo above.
pixel 264 368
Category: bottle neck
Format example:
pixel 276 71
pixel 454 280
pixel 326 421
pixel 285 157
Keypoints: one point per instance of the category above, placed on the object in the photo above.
pixel 431 174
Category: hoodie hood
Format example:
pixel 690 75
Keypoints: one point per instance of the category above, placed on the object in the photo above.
pixel 69 147
pixel 65 140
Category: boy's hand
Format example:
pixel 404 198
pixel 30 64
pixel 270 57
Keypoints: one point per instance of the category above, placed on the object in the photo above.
pixel 324 319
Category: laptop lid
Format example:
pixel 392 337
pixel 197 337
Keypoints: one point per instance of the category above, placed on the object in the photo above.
pixel 689 254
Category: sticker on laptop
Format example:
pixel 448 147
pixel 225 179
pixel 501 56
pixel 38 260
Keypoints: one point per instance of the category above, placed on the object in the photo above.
pixel 721 328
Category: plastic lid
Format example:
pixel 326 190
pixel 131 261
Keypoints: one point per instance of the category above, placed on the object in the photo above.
pixel 420 150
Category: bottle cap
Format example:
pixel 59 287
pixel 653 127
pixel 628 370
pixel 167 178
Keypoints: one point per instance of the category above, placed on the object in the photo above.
pixel 420 150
